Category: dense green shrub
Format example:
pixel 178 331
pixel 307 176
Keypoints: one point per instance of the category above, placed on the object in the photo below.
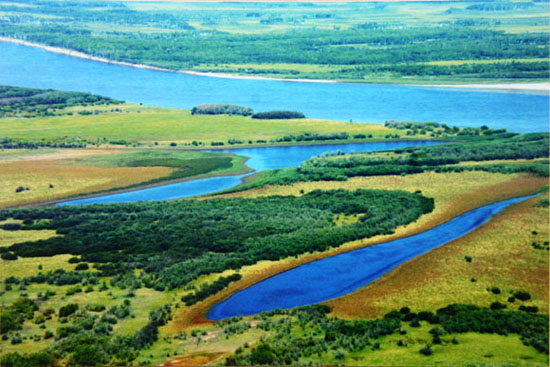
pixel 82 266
pixel 522 295
pixel 272 115
pixel 209 289
pixel 427 350
pixel 221 109
pixel 68 310
pixel 40 359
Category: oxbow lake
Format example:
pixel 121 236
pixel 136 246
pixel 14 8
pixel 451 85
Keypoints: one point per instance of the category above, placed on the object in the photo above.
pixel 338 275
pixel 260 159
pixel 32 67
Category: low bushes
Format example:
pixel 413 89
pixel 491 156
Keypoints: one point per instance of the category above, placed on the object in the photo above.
pixel 221 109
pixel 272 115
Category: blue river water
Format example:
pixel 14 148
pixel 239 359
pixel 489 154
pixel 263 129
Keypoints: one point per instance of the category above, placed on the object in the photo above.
pixel 32 67
pixel 338 275
pixel 260 159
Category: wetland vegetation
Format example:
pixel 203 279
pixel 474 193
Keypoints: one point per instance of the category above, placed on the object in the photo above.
pixel 131 284
pixel 87 301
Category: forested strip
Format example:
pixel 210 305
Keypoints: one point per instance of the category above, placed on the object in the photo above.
pixel 438 158
pixel 175 242
pixel 15 101
pixel 373 49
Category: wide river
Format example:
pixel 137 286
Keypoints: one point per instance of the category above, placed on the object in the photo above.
pixel 338 275
pixel 261 159
pixel 32 67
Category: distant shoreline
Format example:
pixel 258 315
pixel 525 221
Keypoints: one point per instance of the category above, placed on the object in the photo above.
pixel 536 87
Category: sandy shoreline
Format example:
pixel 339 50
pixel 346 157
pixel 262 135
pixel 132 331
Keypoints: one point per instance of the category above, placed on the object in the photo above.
pixel 82 55
pixel 535 87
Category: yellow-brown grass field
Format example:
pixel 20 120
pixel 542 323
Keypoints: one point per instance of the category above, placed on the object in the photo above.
pixel 39 172
pixel 502 256
pixel 454 194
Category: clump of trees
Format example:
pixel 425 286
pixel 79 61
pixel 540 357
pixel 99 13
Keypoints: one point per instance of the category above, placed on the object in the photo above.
pixel 29 102
pixel 221 109
pixel 209 289
pixel 282 115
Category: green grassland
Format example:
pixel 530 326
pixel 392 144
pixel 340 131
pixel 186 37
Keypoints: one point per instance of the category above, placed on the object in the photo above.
pixel 303 40
pixel 150 125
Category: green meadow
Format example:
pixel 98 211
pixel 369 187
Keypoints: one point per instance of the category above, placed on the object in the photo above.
pixel 155 126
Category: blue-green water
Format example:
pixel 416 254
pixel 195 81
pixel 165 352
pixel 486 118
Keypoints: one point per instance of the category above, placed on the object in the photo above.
pixel 31 67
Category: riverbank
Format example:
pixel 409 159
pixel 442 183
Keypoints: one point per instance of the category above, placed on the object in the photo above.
pixel 501 255
pixel 503 87
pixel 244 169
pixel 485 188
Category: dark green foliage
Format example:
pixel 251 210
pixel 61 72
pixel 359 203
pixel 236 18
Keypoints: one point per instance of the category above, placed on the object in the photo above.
pixel 522 295
pixel 68 310
pixel 282 115
pixel 10 256
pixel 15 101
pixel 82 266
pixel 10 320
pixel 533 328
pixel 497 306
pixel 468 259
pixel 532 309
pixel 209 289
pixel 495 290
pixel 11 226
pixel 405 310
pixel 427 350
pixel 96 308
pixel 298 334
pixel 175 242
pixel 88 355
pixel 314 137
pixel 61 277
pixel 13 316
pixel 61 142
pixel 149 333
pixel 40 359
pixel 183 167
pixel 221 109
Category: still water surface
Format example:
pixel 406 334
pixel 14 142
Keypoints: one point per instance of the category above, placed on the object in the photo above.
pixel 338 275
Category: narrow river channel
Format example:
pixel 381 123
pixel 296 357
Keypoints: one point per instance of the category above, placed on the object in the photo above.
pixel 261 159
